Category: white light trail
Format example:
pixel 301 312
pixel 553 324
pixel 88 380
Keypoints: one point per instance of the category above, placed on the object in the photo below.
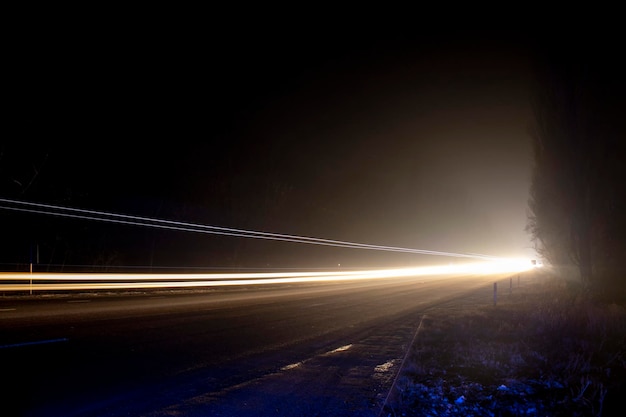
pixel 102 281
pixel 69 212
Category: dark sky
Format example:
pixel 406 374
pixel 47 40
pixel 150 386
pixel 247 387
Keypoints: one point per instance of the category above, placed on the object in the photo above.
pixel 403 138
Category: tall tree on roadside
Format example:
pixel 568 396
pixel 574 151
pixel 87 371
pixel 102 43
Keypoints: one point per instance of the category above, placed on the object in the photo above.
pixel 576 187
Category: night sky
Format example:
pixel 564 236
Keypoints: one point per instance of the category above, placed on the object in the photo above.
pixel 416 139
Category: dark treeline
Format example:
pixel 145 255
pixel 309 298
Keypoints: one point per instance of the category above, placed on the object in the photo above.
pixel 578 198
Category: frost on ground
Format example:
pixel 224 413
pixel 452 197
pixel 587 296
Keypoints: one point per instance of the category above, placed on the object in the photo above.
pixel 540 352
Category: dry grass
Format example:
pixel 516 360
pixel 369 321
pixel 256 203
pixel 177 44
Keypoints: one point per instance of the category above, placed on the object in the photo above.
pixel 540 351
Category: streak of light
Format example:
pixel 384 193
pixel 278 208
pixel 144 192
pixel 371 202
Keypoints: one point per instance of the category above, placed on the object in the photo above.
pixel 69 212
pixel 104 281
pixel 38 342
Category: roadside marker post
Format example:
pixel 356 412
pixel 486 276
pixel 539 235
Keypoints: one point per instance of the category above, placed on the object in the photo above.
pixel 495 293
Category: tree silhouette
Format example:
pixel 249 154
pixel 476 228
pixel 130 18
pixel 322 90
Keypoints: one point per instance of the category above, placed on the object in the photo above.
pixel 576 194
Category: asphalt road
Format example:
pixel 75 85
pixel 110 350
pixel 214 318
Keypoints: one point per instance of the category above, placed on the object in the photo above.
pixel 285 350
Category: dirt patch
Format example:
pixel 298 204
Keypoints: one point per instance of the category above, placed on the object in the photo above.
pixel 541 351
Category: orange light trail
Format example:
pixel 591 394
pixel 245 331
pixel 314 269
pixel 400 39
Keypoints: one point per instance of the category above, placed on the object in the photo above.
pixel 107 281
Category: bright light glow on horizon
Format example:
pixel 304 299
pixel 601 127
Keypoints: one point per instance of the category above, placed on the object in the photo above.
pixel 106 281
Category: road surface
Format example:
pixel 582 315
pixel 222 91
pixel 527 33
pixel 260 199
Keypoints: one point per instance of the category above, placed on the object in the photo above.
pixel 286 350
